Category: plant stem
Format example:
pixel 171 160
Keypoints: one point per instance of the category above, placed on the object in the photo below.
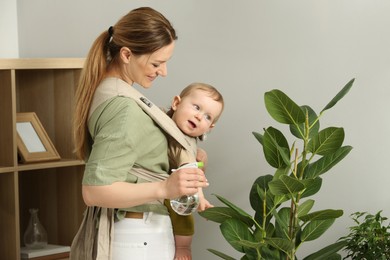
pixel 264 233
pixel 295 203
pixel 294 210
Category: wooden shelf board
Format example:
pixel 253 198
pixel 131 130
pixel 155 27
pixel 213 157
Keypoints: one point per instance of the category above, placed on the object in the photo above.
pixel 48 165
pixel 7 169
pixel 42 165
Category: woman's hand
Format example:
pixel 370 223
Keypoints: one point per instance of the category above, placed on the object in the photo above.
pixel 185 181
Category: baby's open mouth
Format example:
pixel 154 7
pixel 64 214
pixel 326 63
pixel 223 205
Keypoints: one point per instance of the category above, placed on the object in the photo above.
pixel 193 125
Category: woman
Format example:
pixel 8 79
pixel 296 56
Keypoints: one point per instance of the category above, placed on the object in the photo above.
pixel 116 137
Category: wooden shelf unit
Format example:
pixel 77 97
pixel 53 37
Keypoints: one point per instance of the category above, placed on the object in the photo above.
pixel 46 87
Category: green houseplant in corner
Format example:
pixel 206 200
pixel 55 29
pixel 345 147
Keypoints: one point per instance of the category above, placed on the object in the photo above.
pixel 369 239
pixel 283 218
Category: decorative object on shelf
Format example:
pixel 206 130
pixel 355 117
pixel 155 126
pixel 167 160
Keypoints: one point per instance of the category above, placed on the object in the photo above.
pixel 34 144
pixel 35 236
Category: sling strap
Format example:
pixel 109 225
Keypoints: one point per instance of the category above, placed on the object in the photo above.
pixel 112 87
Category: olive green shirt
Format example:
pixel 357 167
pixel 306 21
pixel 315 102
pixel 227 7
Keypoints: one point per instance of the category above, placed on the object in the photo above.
pixel 124 136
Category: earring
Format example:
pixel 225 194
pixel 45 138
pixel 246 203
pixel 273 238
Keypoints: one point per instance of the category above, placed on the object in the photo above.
pixel 203 137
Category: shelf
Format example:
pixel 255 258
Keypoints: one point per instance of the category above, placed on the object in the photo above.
pixel 46 87
pixel 7 169
pixel 48 165
pixel 43 165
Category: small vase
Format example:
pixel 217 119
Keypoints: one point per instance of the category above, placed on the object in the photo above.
pixel 35 236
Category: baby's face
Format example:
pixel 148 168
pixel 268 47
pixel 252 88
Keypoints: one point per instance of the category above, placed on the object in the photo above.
pixel 195 114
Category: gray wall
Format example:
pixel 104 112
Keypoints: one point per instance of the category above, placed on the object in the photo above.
pixel 308 49
pixel 8 29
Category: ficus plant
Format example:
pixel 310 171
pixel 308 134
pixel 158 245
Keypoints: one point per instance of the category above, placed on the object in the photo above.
pixel 283 218
pixel 369 238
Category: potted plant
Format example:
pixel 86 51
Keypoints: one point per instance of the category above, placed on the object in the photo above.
pixel 283 219
pixel 369 239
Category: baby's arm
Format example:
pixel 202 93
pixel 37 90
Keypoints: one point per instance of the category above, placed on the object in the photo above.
pixel 201 156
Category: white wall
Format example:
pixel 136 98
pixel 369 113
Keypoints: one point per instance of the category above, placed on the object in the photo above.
pixel 8 29
pixel 308 49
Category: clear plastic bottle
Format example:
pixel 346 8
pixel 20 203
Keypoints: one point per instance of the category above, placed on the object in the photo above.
pixel 35 236
pixel 186 205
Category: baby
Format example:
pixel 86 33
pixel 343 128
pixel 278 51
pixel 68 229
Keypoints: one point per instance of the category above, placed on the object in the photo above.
pixel 195 111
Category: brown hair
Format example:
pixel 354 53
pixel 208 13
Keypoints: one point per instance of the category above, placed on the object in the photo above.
pixel 144 31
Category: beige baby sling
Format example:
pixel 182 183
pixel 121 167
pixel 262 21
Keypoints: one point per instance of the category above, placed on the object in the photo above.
pixel 93 239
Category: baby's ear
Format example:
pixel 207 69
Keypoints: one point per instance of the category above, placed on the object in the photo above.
pixel 175 102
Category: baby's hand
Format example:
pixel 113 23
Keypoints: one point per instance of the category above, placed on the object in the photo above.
pixel 203 203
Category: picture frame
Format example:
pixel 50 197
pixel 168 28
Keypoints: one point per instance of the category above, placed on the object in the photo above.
pixel 34 144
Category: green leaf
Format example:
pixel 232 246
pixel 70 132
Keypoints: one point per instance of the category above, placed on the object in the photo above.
pixel 234 231
pixel 220 254
pixel 259 137
pixel 284 245
pixel 261 196
pixel 232 206
pixel 281 171
pixel 312 187
pixel 269 253
pixel 221 214
pixel 270 229
pixel 256 200
pixel 258 233
pixel 305 207
pixel 339 95
pixel 315 229
pixel 286 185
pixel 298 130
pixel 322 215
pixel 326 141
pixel 282 219
pixel 326 252
pixel 276 149
pixel 250 254
pixel 248 244
pixel 335 257
pixel 324 164
pixel 282 108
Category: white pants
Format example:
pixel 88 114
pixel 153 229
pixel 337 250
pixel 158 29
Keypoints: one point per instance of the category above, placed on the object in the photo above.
pixel 149 238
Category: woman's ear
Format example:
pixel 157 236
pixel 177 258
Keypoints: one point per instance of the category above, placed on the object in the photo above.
pixel 125 54
pixel 175 102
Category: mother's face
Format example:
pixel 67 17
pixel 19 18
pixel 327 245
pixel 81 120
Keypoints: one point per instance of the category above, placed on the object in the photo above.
pixel 144 69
